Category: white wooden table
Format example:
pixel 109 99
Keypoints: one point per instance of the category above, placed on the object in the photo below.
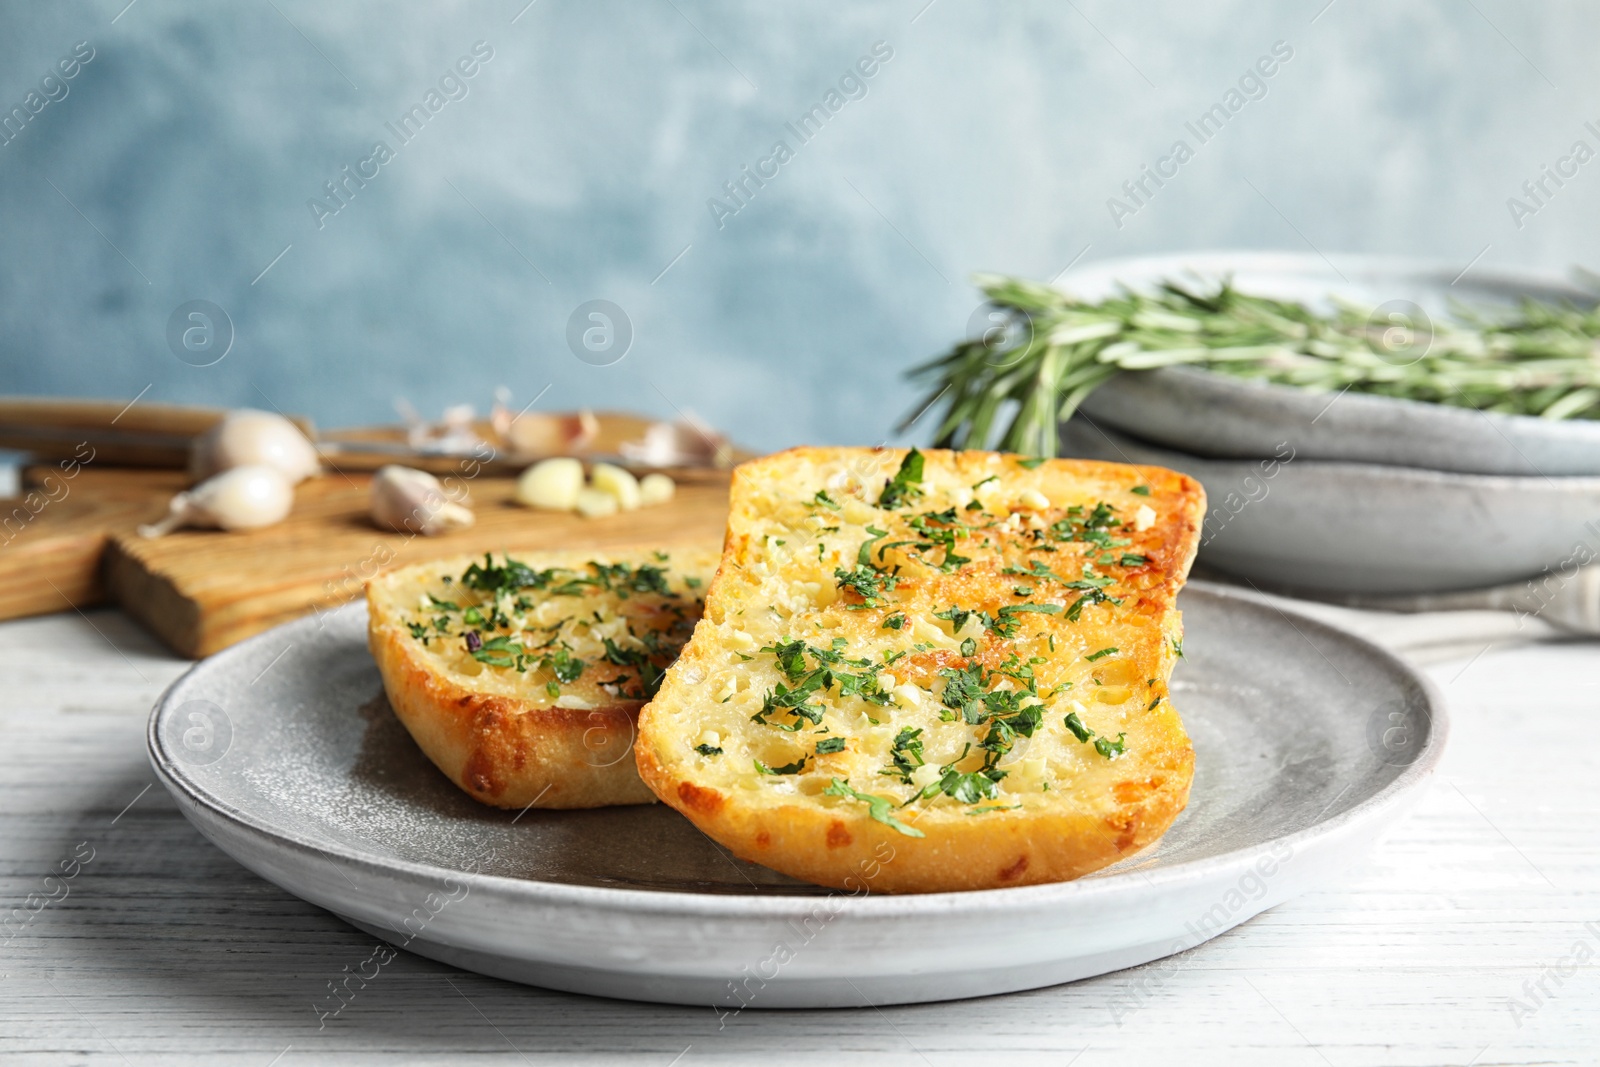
pixel 160 949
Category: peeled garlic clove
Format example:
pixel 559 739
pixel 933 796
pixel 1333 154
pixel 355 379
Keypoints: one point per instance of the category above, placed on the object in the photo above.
pixel 618 482
pixel 243 498
pixel 248 438
pixel 594 504
pixel 414 502
pixel 553 484
pixel 656 489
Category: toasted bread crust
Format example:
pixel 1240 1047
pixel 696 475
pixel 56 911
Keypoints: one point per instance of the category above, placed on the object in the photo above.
pixel 854 853
pixel 1103 808
pixel 506 751
pixel 510 748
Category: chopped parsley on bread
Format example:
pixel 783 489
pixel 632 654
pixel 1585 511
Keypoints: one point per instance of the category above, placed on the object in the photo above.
pixel 522 679
pixel 956 660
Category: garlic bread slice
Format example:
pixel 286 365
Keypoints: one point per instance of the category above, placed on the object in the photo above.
pixel 522 679
pixel 927 671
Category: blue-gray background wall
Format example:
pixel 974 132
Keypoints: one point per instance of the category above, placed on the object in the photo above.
pixel 580 164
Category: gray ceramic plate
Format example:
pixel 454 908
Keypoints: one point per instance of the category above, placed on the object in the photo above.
pixel 1362 528
pixel 1309 744
pixel 1218 416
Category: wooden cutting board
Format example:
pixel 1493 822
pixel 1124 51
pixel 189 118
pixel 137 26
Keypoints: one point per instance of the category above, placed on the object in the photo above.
pixel 201 591
pixel 53 535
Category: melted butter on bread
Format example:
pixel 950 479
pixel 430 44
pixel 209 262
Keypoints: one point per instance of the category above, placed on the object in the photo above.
pixel 522 678
pixel 1008 623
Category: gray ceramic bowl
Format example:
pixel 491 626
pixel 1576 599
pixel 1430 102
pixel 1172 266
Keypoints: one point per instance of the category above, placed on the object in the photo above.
pixel 1306 524
pixel 1214 415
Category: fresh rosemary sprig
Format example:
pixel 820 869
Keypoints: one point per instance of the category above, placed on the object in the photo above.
pixel 1537 359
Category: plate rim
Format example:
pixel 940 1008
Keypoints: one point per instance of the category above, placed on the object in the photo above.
pixel 875 906
pixel 1428 476
pixel 1568 431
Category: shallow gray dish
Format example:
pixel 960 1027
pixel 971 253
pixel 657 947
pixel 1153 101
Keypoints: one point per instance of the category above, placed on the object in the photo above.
pixel 1309 744
pixel 1215 415
pixel 1317 526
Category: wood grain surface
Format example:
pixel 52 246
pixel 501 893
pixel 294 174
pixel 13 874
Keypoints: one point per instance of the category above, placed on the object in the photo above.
pixel 203 590
pixel 53 536
pixel 163 951
pixel 149 434
pixel 69 540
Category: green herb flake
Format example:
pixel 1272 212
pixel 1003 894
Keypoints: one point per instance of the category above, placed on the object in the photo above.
pixel 829 745
pixel 905 486
pixel 967 788
pixel 880 809
pixel 1005 622
pixel 1093 596
pixel 994 807
pixel 1110 749
pixel 788 768
pixel 864 554
pixel 1142 490
pixel 510 577
pixel 708 750
pixel 496 652
pixel 905 754
pixel 869 583
pixel 1032 462
pixel 1102 654
pixel 563 663
pixel 1079 730
pixel 956 617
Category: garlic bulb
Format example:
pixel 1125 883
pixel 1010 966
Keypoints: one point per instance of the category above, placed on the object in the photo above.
pixel 537 433
pixel 690 443
pixel 239 499
pixel 250 437
pixel 413 501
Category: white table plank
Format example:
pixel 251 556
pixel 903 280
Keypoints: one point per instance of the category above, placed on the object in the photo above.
pixel 165 951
